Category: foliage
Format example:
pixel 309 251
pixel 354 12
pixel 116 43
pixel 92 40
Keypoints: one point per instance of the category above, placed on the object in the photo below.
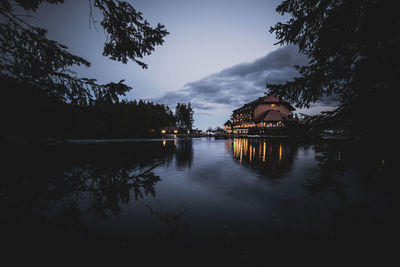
pixel 128 119
pixel 353 48
pixel 28 57
pixel 27 112
pixel 184 116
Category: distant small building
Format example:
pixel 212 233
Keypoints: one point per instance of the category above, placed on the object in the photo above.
pixel 210 132
pixel 170 130
pixel 228 125
pixel 264 112
pixel 196 132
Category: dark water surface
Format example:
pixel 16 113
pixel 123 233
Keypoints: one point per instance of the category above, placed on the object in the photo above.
pixel 241 202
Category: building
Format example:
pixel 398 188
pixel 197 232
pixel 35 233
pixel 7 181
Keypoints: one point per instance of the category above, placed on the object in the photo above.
pixel 170 131
pixel 265 112
pixel 228 126
pixel 196 132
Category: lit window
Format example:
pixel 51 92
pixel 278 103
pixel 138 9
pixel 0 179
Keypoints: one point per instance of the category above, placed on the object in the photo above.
pixel 175 131
pixel 272 105
pixel 163 131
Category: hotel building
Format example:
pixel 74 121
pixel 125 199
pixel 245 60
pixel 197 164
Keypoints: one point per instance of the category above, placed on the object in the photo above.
pixel 265 112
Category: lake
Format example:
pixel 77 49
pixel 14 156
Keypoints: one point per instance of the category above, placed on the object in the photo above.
pixel 235 202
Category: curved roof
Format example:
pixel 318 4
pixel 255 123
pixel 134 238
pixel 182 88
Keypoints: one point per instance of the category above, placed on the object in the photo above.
pixel 274 115
pixel 268 99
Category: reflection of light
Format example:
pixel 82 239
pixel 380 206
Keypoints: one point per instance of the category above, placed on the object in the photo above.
pixel 339 156
pixel 280 152
pixel 174 142
pixel 245 147
pixel 251 152
pixel 382 162
pixel 264 151
pixel 164 143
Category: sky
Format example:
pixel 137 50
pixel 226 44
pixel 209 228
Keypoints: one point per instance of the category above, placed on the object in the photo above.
pixel 219 53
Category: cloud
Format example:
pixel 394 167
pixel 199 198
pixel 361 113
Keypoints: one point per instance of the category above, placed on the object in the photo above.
pixel 218 94
pixel 239 84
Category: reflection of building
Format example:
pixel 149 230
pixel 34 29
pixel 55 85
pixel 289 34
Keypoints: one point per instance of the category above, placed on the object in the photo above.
pixel 269 157
pixel 264 112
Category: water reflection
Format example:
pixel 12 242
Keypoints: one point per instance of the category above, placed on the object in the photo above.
pixel 184 153
pixel 335 160
pixel 205 197
pixel 173 220
pixel 271 158
pixel 57 188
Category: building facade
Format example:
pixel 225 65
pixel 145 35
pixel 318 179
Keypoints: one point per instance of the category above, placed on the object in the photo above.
pixel 265 112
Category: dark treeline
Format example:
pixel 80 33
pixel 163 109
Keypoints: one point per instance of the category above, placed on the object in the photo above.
pixel 30 113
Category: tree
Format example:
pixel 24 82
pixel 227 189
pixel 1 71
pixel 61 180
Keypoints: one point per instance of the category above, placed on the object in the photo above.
pixel 184 116
pixel 353 51
pixel 189 117
pixel 29 59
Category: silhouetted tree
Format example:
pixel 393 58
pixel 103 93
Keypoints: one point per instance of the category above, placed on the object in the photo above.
pixel 353 48
pixel 29 58
pixel 184 116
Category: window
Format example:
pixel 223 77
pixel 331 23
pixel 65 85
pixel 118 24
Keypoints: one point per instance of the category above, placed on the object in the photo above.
pixel 272 105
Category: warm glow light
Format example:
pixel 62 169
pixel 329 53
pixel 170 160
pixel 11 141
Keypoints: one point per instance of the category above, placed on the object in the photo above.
pixel 251 154
pixel 164 143
pixel 175 131
pixel 241 154
pixel 280 153
pixel 272 105
pixel 264 151
pixel 163 131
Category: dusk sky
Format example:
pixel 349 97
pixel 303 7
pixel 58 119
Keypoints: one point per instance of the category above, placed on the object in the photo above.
pixel 219 53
